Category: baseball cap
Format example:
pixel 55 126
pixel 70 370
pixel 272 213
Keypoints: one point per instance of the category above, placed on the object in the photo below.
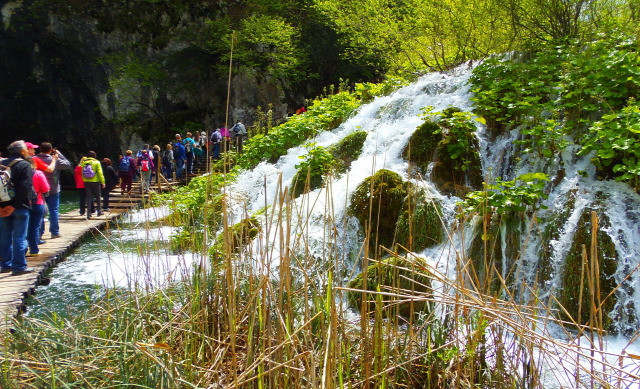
pixel 31 145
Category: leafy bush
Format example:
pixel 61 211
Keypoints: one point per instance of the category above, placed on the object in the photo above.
pixel 316 163
pixel 614 143
pixel 519 195
pixel 348 150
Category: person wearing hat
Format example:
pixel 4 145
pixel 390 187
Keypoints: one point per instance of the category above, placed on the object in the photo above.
pixel 47 155
pixel 40 165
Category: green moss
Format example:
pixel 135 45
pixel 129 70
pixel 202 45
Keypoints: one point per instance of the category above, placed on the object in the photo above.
pixel 420 225
pixel 422 146
pixel 240 234
pixel 569 292
pixel 299 182
pixel 551 232
pixel 486 251
pixel 348 150
pixel 392 273
pixel 379 199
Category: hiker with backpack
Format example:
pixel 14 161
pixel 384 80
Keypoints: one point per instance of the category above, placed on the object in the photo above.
pixel 179 155
pixel 216 138
pixel 16 197
pixel 110 182
pixel 167 161
pixel 126 171
pixel 93 178
pixel 146 166
pixel 82 196
pixel 239 132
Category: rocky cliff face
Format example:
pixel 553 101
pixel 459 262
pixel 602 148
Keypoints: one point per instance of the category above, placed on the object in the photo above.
pixel 91 76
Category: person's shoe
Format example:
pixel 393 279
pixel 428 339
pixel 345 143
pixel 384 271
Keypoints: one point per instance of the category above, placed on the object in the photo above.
pixel 25 271
pixel 81 213
pixel 54 236
pixel 42 242
pixel 6 270
pixel 89 217
pixel 100 214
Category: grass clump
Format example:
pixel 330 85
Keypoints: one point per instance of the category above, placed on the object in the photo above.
pixel 348 150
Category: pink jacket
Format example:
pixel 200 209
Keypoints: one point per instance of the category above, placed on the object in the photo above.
pixel 40 185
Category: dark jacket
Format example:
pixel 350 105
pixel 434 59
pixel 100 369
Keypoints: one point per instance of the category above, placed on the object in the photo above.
pixel 22 179
pixel 110 176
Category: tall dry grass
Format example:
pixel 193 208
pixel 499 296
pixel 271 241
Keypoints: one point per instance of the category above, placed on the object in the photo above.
pixel 240 321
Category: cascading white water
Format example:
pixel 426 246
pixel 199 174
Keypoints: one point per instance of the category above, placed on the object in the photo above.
pixel 390 121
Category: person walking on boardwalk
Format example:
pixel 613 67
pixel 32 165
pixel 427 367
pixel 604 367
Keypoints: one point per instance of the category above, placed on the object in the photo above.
pixel 167 161
pixel 189 150
pixel 155 153
pixel 48 154
pixel 216 138
pixel 126 171
pixel 146 166
pixel 93 178
pixel 110 182
pixel 179 155
pixel 239 132
pixel 41 188
pixel 15 203
pixel 82 197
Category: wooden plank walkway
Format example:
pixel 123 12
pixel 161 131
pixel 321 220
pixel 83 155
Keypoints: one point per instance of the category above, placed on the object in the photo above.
pixel 14 290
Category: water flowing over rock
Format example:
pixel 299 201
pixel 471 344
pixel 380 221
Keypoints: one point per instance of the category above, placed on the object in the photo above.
pixel 529 251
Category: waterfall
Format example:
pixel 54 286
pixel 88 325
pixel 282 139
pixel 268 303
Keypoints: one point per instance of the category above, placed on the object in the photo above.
pixel 390 121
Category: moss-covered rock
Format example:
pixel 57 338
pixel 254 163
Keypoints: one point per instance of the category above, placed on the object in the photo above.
pixel 348 150
pixel 486 250
pixel 379 199
pixel 299 184
pixel 420 224
pixel 453 172
pixel 568 294
pixel 241 234
pixel 422 146
pixel 393 273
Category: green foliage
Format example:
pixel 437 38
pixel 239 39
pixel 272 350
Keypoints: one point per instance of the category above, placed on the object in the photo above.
pixel 614 143
pixel 558 93
pixel 459 139
pixel 321 115
pixel 316 163
pixel 519 195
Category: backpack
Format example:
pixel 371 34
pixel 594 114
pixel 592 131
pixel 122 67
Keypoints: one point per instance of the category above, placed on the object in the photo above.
pixel 216 137
pixel 187 146
pixel 125 164
pixel 87 171
pixel 7 191
pixel 165 158
pixel 179 148
pixel 145 165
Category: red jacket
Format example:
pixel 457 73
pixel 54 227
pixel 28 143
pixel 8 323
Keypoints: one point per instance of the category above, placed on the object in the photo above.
pixel 77 174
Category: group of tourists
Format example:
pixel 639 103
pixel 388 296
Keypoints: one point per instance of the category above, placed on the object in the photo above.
pixel 183 154
pixel 28 183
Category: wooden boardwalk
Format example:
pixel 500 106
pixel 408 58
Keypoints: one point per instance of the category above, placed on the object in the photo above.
pixel 14 290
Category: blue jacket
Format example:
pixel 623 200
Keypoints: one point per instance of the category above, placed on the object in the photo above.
pixel 178 151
